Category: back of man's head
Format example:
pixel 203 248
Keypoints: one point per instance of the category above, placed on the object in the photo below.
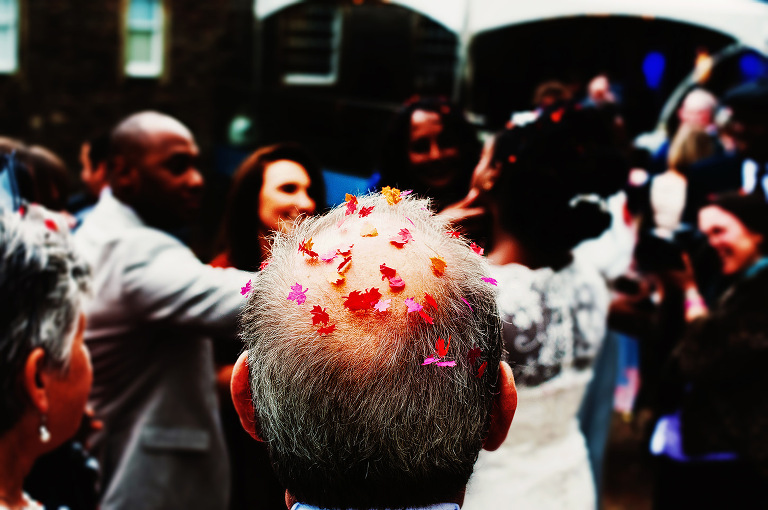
pixel 387 400
pixel 698 108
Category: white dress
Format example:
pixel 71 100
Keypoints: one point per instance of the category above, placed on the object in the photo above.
pixel 554 323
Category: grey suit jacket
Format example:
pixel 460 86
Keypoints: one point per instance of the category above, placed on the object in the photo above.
pixel 154 307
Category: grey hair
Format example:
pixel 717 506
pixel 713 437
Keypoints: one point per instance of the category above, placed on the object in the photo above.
pixel 42 282
pixel 353 419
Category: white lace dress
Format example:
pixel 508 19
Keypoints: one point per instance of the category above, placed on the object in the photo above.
pixel 554 323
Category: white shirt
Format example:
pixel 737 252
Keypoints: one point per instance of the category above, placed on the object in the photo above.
pixel 749 176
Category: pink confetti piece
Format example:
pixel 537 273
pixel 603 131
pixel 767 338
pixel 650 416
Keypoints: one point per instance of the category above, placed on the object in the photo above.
pixel 329 255
pixel 412 305
pixel 297 294
pixel 477 249
pixel 396 283
pixel 265 264
pixel 412 223
pixel 351 204
pixel 492 281
pixel 402 238
pixel 467 303
pixel 382 305
pixel 429 361
pixel 406 192
pixel 246 289
pixel 446 363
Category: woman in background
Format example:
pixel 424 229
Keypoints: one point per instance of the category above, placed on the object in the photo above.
pixel 544 187
pixel 45 368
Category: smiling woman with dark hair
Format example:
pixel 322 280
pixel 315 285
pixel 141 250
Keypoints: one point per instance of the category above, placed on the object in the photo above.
pixel 45 369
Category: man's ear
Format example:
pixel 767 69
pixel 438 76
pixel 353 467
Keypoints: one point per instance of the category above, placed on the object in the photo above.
pixel 35 380
pixel 240 386
pixel 504 406
pixel 123 178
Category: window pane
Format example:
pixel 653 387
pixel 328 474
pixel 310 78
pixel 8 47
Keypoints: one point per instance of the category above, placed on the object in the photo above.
pixel 7 11
pixel 142 10
pixel 140 47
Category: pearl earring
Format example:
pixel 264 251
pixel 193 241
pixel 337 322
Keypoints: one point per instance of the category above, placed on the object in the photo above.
pixel 45 435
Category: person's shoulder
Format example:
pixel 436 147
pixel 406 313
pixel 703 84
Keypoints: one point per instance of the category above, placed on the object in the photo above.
pixel 714 166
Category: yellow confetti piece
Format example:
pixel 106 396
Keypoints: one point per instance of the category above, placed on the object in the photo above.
pixel 336 278
pixel 391 194
pixel 368 230
pixel 438 265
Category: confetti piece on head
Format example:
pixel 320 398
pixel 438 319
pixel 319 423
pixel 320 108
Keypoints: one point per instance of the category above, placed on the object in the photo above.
pixel 51 225
pixel 319 315
pixel 297 294
pixel 492 281
pixel 336 279
pixel 473 355
pixel 391 194
pixel 365 211
pixel 329 255
pixel 412 305
pixel 265 264
pixel 357 300
pixel 326 330
pixel 345 251
pixel 477 249
pixel 481 370
pixel 402 238
pixel 430 301
pixel 305 247
pixel 351 201
pixel 396 283
pixel 430 360
pixel 406 192
pixel 454 233
pixel 246 289
pixel 446 363
pixel 467 303
pixel 368 230
pixel 557 115
pixel 426 317
pixel 382 305
pixel 412 223
pixel 438 265
pixel 441 348
pixel 344 266
pixel 387 272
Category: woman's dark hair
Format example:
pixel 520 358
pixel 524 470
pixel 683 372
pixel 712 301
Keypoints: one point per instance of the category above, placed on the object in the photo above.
pixel 395 167
pixel 238 235
pixel 555 174
pixel 750 210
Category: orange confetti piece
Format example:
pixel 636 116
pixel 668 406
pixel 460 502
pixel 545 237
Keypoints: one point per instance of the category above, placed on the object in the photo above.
pixel 344 266
pixel 305 247
pixel 391 194
pixel 368 230
pixel 438 265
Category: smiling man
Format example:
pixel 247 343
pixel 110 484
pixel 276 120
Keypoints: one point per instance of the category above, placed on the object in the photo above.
pixel 154 305
pixel 373 366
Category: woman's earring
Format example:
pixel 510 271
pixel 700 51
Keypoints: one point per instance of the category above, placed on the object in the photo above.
pixel 45 435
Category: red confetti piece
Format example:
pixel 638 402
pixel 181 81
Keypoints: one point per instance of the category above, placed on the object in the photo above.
pixel 51 225
pixel 426 317
pixel 368 230
pixel 345 252
pixel 412 305
pixel 336 279
pixel 297 294
pixel 357 300
pixel 265 264
pixel 305 247
pixel 396 283
pixel 319 315
pixel 365 211
pixel 557 115
pixel 467 303
pixel 382 305
pixel 326 330
pixel 391 194
pixel 387 272
pixel 454 233
pixel 492 281
pixel 477 249
pixel 430 301
pixel 402 238
pixel 441 348
pixel 512 158
pixel 481 370
pixel 473 355
pixel 438 265
pixel 344 266
pixel 351 201
pixel 246 289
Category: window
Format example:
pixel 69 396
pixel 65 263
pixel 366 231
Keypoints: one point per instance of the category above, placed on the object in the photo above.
pixel 144 38
pixel 309 40
pixel 9 36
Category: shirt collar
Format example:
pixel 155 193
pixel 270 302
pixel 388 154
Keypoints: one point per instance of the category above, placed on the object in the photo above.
pixel 438 506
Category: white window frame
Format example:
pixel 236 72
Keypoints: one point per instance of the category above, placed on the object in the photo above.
pixel 322 79
pixel 9 59
pixel 156 28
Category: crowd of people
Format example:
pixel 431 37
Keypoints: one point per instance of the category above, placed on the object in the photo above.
pixel 374 354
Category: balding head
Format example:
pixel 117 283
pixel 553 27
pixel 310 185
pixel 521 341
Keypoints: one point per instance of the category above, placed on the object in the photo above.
pixel 351 414
pixel 153 168
pixel 698 109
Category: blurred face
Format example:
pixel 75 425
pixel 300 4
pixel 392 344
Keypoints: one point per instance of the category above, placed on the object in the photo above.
pixel 737 246
pixel 93 178
pixel 433 153
pixel 68 391
pixel 171 186
pixel 284 195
